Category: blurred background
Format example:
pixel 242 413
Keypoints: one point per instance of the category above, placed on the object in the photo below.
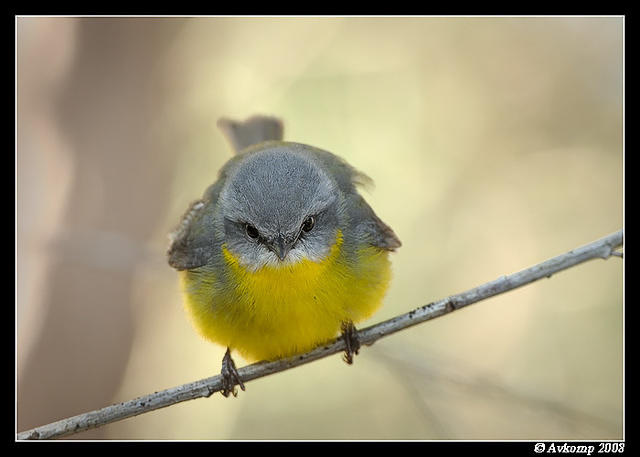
pixel 494 143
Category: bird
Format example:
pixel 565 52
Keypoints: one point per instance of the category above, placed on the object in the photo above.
pixel 281 253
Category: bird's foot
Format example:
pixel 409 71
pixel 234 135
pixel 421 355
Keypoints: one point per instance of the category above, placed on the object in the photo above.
pixel 230 376
pixel 350 336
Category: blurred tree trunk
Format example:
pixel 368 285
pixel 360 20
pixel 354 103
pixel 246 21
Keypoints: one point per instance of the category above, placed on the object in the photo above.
pixel 105 108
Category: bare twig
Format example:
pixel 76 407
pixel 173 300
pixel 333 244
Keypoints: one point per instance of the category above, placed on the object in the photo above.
pixel 602 248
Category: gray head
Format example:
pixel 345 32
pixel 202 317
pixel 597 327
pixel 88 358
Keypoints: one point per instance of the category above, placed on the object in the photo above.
pixel 279 207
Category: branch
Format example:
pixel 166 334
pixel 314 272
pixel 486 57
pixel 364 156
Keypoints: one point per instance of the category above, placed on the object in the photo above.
pixel 602 248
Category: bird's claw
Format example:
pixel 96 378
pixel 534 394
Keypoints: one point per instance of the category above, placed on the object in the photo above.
pixel 350 336
pixel 230 376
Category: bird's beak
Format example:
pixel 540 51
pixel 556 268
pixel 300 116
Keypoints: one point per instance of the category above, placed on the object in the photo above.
pixel 281 247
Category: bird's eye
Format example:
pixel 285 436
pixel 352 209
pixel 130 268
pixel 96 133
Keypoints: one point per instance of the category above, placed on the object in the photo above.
pixel 251 231
pixel 308 224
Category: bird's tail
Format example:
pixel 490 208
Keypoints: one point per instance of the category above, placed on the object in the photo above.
pixel 256 129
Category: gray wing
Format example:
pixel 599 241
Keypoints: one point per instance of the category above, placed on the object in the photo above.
pixel 369 227
pixel 193 242
pixel 256 129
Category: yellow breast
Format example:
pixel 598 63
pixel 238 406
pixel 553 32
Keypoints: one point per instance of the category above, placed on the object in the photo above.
pixel 280 311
